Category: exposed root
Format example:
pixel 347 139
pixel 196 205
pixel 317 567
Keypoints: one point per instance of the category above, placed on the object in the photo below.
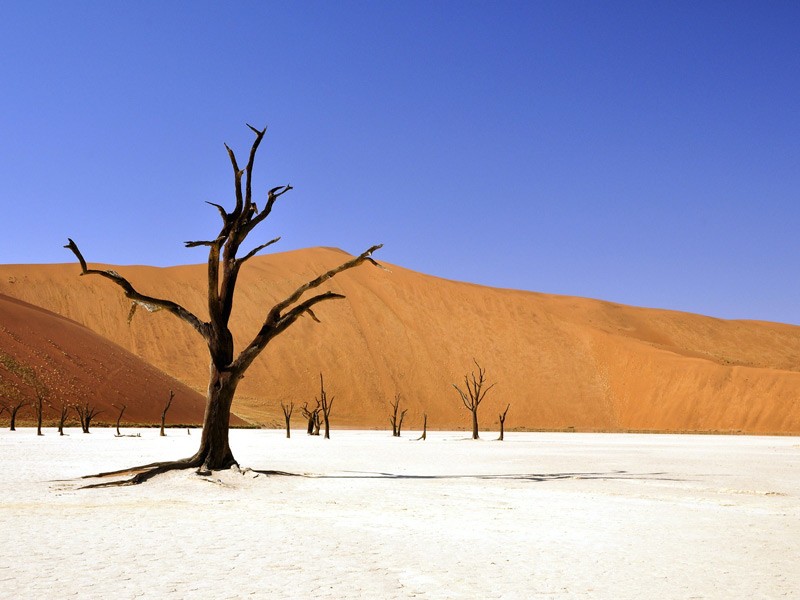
pixel 142 473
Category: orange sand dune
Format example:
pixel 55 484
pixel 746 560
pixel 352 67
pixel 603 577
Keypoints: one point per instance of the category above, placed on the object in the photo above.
pixel 560 362
pixel 75 365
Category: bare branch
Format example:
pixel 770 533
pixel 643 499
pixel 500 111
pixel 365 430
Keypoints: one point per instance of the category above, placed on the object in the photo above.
pixel 237 176
pixel 221 210
pixel 147 301
pixel 255 251
pixel 215 242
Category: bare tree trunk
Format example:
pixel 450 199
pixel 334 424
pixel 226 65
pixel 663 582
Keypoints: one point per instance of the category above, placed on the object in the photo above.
pixel 400 422
pixel 475 435
pixel 164 412
pixel 119 417
pixel 214 453
pixel 39 410
pixel 424 427
pixel 393 418
pixel 287 414
pixel 62 418
pixel 503 422
pixel 14 410
pixel 326 408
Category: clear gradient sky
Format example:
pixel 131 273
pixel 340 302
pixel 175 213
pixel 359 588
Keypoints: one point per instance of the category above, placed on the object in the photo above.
pixel 641 152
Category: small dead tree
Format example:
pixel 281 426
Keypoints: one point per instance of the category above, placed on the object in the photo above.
pixel 287 414
pixel 38 407
pixel 313 418
pixel 62 417
pixel 224 264
pixel 473 394
pixel 164 412
pixel 86 412
pixel 397 423
pixel 122 408
pixel 503 422
pixel 13 409
pixel 326 405
pixel 424 427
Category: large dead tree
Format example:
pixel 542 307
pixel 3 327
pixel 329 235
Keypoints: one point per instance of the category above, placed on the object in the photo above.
pixel 326 404
pixel 224 265
pixel 287 415
pixel 38 407
pixel 164 412
pixel 474 392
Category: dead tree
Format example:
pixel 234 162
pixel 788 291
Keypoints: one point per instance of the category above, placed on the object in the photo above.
pixel 13 410
pixel 62 418
pixel 164 412
pixel 287 414
pixel 313 418
pixel 424 427
pixel 86 413
pixel 326 406
pixel 503 422
pixel 38 408
pixel 122 408
pixel 474 394
pixel 224 264
pixel 397 423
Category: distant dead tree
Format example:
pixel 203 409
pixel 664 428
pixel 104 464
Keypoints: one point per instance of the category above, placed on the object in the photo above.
pixel 473 394
pixel 164 412
pixel 326 405
pixel 13 409
pixel 38 407
pixel 287 414
pixel 86 413
pixel 62 417
pixel 313 418
pixel 503 422
pixel 224 263
pixel 3 408
pixel 122 408
pixel 397 424
pixel 424 427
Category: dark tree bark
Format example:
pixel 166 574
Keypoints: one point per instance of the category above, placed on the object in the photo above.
pixel 503 422
pixel 164 412
pixel 13 410
pixel 119 416
pixel 474 394
pixel 224 264
pixel 326 405
pixel 287 414
pixel 424 427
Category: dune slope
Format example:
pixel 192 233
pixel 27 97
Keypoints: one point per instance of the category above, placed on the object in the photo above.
pixel 72 364
pixel 560 362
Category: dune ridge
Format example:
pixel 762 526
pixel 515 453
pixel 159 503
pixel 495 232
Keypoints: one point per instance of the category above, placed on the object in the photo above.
pixel 561 362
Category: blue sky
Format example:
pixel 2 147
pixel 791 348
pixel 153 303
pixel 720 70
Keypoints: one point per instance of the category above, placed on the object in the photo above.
pixel 641 152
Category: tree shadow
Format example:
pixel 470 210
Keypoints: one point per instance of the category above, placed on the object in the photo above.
pixel 535 477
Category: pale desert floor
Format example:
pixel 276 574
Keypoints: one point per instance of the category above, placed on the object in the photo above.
pixel 370 516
